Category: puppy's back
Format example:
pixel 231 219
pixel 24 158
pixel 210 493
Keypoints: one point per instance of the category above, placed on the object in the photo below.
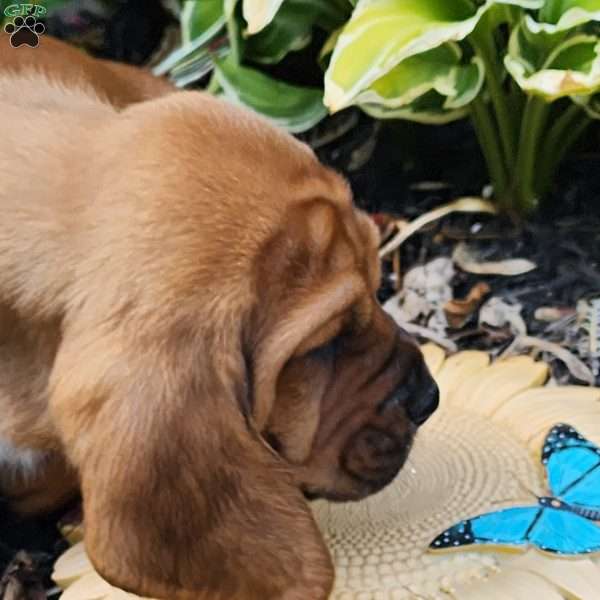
pixel 118 83
pixel 43 153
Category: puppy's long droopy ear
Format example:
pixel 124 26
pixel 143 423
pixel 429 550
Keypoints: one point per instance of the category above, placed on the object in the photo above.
pixel 181 501
pixel 318 266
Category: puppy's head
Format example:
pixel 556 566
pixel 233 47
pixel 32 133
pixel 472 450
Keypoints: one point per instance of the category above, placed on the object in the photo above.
pixel 340 389
pixel 225 298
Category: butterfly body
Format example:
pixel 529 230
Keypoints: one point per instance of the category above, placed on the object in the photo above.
pixel 559 524
pixel 593 514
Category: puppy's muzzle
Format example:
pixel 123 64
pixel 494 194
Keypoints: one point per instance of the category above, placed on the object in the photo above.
pixel 376 453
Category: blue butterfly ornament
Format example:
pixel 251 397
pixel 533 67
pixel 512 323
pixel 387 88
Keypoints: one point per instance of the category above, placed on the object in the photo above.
pixel 559 524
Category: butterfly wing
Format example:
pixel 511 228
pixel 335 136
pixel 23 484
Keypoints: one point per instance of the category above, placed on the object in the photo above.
pixel 550 529
pixel 509 526
pixel 562 436
pixel 564 532
pixel 573 466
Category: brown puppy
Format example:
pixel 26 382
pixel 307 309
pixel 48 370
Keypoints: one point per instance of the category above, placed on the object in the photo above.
pixel 181 283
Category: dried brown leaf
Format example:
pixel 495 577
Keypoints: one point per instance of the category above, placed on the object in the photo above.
pixel 458 311
pixel 549 314
pixel 21 580
pixel 498 313
pixel 466 258
pixel 467 204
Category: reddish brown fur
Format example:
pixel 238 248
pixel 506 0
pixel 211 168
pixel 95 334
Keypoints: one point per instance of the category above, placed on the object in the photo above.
pixel 118 83
pixel 171 278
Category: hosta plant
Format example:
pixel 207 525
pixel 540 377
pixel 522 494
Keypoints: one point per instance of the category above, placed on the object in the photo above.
pixel 526 72
pixel 236 40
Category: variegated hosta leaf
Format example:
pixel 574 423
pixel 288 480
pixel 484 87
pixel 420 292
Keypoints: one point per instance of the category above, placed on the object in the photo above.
pixel 591 104
pixel 292 107
pixel 428 109
pixel 467 81
pixel 383 33
pixel 432 87
pixel 200 23
pixel 439 69
pixel 329 47
pixel 292 28
pixel 198 18
pixel 414 77
pixel 560 15
pixel 259 13
pixel 569 69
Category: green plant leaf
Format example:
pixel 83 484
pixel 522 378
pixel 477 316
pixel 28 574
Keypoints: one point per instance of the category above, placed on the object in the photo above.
pixel 571 68
pixel 329 47
pixel 428 109
pixel 439 69
pixel 292 107
pixel 198 18
pixel 414 77
pixel 432 87
pixel 292 29
pixel 259 13
pixel 383 33
pixel 234 29
pixel 467 83
pixel 591 104
pixel 200 23
pixel 560 15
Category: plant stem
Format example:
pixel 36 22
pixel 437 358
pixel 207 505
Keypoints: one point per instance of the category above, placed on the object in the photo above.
pixel 213 83
pixel 484 46
pixel 490 144
pixel 565 131
pixel 532 126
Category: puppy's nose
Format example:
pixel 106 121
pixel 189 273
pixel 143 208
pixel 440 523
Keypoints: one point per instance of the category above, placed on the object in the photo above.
pixel 417 395
pixel 424 401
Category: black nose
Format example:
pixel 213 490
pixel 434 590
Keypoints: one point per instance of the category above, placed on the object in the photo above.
pixel 424 401
pixel 417 394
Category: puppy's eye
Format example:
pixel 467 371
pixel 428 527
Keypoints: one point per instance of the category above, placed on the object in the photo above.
pixel 273 441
